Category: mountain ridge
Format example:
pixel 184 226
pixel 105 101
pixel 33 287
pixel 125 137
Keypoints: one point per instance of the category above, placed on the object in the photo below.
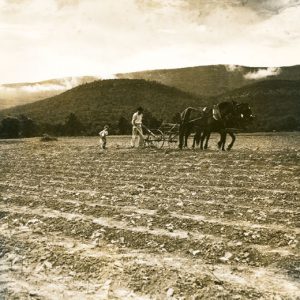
pixel 213 80
pixel 206 81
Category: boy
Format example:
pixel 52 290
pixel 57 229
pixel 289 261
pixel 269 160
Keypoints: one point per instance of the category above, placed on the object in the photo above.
pixel 137 130
pixel 103 134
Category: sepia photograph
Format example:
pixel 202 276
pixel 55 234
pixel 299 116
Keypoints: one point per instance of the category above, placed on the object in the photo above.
pixel 149 149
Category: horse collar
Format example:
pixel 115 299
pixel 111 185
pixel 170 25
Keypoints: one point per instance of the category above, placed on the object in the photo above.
pixel 216 113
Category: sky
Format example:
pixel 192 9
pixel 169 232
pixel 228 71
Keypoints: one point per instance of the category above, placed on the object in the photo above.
pixel 43 39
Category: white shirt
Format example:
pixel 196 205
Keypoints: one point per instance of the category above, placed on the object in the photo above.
pixel 137 119
pixel 103 133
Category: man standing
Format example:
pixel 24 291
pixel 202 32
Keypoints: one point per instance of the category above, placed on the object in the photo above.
pixel 137 130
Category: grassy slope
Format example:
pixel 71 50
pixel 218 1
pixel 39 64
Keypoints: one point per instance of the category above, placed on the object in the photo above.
pixel 105 101
pixel 272 101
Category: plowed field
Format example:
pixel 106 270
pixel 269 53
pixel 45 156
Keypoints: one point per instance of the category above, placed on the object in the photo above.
pixel 78 223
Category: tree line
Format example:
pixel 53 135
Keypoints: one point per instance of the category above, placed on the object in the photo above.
pixel 23 126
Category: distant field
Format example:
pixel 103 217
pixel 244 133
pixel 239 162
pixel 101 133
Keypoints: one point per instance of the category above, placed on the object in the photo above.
pixel 80 223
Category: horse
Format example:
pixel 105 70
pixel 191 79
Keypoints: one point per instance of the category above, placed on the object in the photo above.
pixel 186 124
pixel 200 136
pixel 227 115
pixel 217 119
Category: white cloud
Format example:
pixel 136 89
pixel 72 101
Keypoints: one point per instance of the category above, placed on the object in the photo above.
pixel 233 68
pixel 12 91
pixel 262 73
pixel 41 88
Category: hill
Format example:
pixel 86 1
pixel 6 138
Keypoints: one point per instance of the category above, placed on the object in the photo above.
pixel 201 80
pixel 276 103
pixel 14 94
pixel 215 79
pixel 105 101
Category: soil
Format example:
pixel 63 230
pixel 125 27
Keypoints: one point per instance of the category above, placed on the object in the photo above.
pixel 77 222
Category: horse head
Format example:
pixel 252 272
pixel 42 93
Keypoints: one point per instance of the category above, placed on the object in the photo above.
pixel 245 112
pixel 244 115
pixel 236 114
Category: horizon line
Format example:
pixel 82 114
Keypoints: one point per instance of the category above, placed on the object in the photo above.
pixel 100 77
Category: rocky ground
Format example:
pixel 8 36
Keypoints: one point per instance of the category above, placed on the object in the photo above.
pixel 80 223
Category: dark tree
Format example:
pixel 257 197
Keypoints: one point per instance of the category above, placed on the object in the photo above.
pixel 73 126
pixel 10 127
pixel 150 121
pixel 176 118
pixel 28 126
pixel 290 123
pixel 57 129
pixel 124 126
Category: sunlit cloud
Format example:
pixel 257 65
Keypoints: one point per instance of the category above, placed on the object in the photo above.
pixel 262 73
pixel 22 93
pixel 233 68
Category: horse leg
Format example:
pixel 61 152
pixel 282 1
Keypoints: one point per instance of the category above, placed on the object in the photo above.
pixel 196 139
pixel 232 140
pixel 206 141
pixel 220 141
pixel 194 142
pixel 181 137
pixel 186 138
pixel 190 131
pixel 205 133
pixel 187 134
pixel 223 138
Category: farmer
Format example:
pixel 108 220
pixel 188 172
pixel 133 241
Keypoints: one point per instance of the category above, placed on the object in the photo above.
pixel 103 134
pixel 137 130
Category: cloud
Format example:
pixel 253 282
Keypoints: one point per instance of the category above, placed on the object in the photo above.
pixel 265 8
pixel 8 91
pixel 233 68
pixel 270 7
pixel 42 88
pixel 262 73
pixel 59 38
pixel 62 3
